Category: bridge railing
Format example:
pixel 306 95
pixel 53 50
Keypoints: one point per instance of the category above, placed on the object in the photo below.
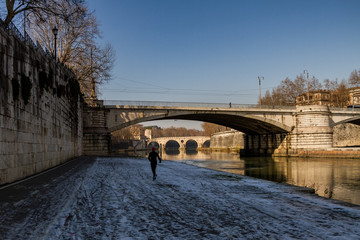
pixel 189 104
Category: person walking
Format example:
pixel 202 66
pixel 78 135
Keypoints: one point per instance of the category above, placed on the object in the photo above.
pixel 153 156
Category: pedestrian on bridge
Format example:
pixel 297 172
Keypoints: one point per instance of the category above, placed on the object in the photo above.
pixel 153 156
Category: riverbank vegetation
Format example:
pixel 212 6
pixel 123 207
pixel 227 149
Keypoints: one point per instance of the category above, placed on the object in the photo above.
pixel 286 93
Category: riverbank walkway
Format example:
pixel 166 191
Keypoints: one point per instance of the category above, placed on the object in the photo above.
pixel 116 198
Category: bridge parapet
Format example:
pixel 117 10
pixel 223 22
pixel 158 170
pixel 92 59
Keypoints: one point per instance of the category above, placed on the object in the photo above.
pixel 152 104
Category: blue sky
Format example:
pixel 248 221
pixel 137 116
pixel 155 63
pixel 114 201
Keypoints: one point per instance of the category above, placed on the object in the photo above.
pixel 214 50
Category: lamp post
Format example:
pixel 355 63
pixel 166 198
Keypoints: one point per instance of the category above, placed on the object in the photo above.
pixel 260 89
pixel 307 81
pixel 55 32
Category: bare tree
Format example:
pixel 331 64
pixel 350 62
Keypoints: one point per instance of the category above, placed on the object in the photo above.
pixel 267 99
pixel 210 128
pixel 288 90
pixel 77 46
pixel 314 84
pixel 340 95
pixel 354 78
pixel 38 9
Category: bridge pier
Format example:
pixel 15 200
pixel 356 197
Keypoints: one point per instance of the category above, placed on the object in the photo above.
pixel 311 131
pixel 265 144
pixel 312 128
pixel 96 136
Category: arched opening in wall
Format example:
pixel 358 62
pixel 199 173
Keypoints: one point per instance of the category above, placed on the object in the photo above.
pixel 206 144
pixel 172 147
pixel 191 144
pixel 191 147
pixel 172 144
pixel 154 144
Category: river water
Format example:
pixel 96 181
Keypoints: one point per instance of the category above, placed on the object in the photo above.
pixel 334 178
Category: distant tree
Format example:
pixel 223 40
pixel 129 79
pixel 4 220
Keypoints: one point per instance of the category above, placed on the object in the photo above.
pixel 176 132
pixel 288 90
pixel 354 78
pixel 267 99
pixel 128 133
pixel 331 85
pixel 278 96
pixel 340 95
pixel 315 84
pixel 327 84
pixel 120 135
pixel 210 128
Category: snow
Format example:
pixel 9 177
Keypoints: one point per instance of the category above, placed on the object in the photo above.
pixel 116 198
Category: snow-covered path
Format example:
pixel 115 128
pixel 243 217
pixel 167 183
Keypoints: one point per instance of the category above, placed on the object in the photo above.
pixel 116 198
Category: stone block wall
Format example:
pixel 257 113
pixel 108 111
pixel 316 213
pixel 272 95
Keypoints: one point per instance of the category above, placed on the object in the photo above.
pixel 96 138
pixel 346 135
pixel 248 145
pixel 312 129
pixel 40 112
pixel 229 140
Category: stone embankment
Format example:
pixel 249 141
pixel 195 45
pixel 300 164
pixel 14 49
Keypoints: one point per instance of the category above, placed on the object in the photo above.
pixel 40 110
pixel 227 141
pixel 345 143
pixel 346 135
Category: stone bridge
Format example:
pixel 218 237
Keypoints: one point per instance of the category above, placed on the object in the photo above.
pixel 269 129
pixel 184 142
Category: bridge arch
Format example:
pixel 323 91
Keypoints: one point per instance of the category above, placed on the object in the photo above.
pixel 183 142
pixel 191 144
pixel 246 123
pixel 172 144
pixel 353 120
pixel 206 144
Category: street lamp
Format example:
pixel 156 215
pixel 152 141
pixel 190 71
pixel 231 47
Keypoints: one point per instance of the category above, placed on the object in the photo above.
pixel 55 32
pixel 260 88
pixel 308 94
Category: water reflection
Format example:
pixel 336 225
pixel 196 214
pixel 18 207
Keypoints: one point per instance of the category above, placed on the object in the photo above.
pixel 332 178
pixel 176 151
pixel 172 151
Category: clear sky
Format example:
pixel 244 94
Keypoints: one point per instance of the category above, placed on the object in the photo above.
pixel 214 50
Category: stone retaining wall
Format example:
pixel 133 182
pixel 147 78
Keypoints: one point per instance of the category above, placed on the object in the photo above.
pixel 346 135
pixel 229 140
pixel 40 111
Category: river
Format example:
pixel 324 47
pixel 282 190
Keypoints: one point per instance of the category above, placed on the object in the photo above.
pixel 334 178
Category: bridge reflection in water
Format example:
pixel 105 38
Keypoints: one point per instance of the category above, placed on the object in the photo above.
pixel 331 178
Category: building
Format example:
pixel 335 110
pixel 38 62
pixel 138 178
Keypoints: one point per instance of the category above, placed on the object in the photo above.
pixel 354 96
pixel 320 97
